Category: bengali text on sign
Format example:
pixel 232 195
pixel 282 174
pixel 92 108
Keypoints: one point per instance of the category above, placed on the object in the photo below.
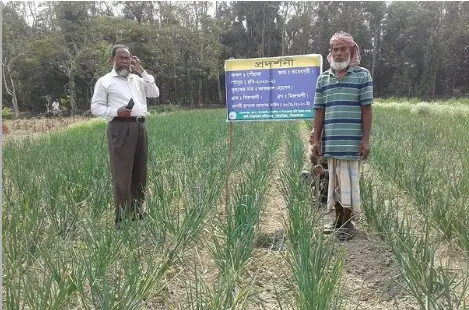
pixel 277 88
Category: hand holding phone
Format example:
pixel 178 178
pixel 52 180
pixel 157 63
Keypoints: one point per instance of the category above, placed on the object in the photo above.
pixel 122 112
pixel 135 65
pixel 130 105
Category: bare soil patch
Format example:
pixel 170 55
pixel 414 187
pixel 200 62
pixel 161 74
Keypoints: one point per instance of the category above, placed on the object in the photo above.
pixel 30 128
pixel 370 277
pixel 269 264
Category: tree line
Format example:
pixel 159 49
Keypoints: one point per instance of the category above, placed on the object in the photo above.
pixel 57 50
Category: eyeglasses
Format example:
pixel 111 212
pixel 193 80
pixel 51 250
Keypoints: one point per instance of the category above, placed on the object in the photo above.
pixel 122 57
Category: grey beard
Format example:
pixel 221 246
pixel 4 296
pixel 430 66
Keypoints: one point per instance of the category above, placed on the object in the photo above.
pixel 338 66
pixel 123 72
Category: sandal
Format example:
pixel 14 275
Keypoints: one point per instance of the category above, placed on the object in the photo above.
pixel 347 232
pixel 330 228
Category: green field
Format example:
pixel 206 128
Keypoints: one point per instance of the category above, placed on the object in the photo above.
pixel 61 251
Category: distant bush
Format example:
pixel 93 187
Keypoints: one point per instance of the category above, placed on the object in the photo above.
pixel 163 108
pixel 451 101
pixel 7 113
pixel 464 101
pixel 422 108
pixel 456 107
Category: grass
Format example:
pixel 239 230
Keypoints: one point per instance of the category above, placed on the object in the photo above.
pixel 422 155
pixel 425 156
pixel 414 101
pixel 433 284
pixel 61 251
pixel 458 108
pixel 57 195
pixel 316 269
pixel 234 234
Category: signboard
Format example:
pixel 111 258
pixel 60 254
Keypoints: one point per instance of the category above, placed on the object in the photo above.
pixel 274 88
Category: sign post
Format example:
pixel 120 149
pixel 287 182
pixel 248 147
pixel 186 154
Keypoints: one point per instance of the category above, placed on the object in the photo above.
pixel 270 89
pixel 228 163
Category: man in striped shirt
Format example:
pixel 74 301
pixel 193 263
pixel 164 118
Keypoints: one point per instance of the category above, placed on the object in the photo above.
pixel 344 95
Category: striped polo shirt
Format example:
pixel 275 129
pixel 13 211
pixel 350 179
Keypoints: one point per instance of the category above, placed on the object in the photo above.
pixel 342 101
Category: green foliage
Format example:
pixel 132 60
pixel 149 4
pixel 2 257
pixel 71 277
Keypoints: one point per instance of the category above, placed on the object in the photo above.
pixel 61 248
pixel 163 108
pixel 56 206
pixel 7 113
pixel 416 197
pixel 414 49
pixel 313 259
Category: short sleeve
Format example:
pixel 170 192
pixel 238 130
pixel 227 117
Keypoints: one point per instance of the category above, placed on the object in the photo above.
pixel 366 90
pixel 318 99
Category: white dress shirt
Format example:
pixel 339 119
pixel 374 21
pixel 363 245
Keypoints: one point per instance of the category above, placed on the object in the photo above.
pixel 112 92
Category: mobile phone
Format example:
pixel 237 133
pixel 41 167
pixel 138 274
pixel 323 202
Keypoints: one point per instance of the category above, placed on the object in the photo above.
pixel 132 62
pixel 130 105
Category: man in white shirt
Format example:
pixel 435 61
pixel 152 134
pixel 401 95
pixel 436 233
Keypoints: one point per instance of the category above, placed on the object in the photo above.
pixel 127 134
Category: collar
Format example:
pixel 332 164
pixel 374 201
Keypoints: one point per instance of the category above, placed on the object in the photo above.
pixel 114 74
pixel 349 70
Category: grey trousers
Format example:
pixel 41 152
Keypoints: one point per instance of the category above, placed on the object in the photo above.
pixel 128 148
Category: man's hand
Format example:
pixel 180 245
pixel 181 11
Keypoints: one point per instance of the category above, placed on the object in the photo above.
pixel 135 64
pixel 319 170
pixel 311 138
pixel 123 112
pixel 364 149
pixel 317 148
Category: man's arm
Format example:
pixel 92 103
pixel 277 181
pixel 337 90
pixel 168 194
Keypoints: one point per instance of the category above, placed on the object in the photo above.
pixel 366 101
pixel 318 123
pixel 319 113
pixel 148 81
pixel 99 106
pixel 151 90
pixel 367 116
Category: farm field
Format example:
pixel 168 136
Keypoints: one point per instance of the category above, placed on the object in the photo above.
pixel 61 251
pixel 35 127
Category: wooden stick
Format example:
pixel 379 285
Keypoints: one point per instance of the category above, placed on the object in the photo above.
pixel 318 162
pixel 228 162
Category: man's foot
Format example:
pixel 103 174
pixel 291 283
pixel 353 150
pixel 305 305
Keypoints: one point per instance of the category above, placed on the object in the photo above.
pixel 137 210
pixel 338 221
pixel 330 228
pixel 348 232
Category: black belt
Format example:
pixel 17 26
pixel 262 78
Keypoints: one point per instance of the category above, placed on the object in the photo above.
pixel 138 119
